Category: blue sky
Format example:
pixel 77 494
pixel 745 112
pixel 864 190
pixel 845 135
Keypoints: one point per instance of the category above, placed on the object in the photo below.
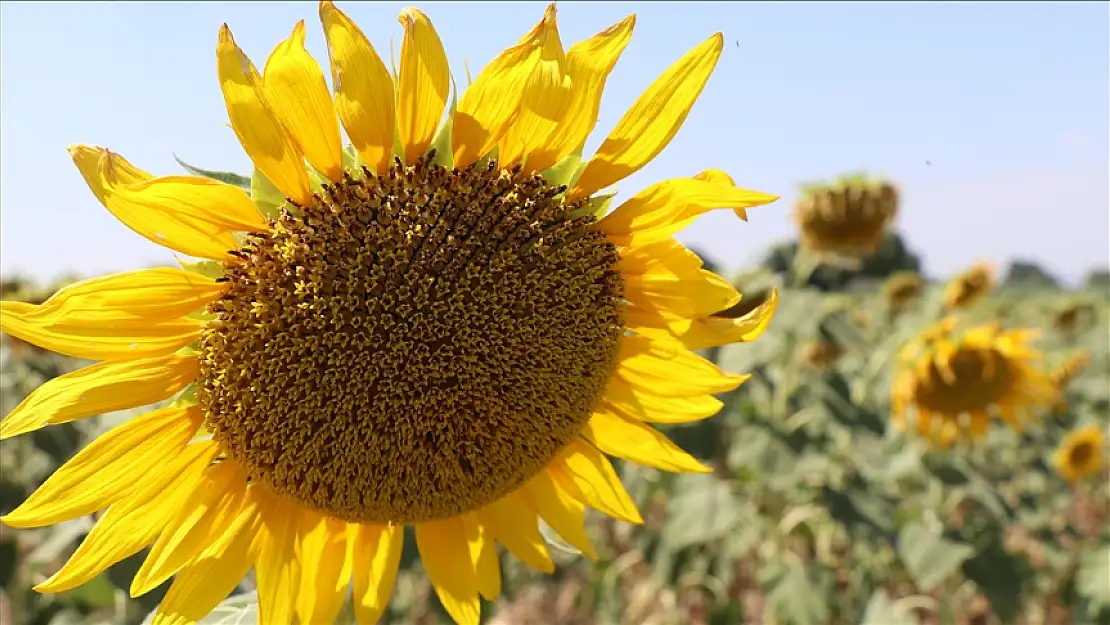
pixel 1007 101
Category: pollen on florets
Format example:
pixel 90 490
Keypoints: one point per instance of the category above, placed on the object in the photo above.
pixel 414 345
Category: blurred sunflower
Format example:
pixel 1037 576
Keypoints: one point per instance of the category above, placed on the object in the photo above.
pixel 1063 375
pixel 821 354
pixel 951 382
pixel 1071 317
pixel 1081 454
pixel 969 287
pixel 847 217
pixel 437 329
pixel 902 289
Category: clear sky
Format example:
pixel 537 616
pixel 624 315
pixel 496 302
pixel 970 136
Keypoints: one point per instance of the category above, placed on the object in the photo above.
pixel 993 117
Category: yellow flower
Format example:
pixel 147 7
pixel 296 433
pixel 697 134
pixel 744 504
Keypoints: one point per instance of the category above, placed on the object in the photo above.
pixel 969 287
pixel 1082 454
pixel 1063 375
pixel 442 328
pixel 902 289
pixel 950 383
pixel 849 216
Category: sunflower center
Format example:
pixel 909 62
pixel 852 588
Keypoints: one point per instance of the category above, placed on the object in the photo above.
pixel 415 346
pixel 1081 454
pixel 979 379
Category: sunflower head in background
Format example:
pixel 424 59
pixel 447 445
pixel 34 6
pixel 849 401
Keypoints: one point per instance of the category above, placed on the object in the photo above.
pixel 847 217
pixel 442 326
pixel 902 289
pixel 1063 374
pixel 1082 453
pixel 969 286
pixel 821 354
pixel 951 383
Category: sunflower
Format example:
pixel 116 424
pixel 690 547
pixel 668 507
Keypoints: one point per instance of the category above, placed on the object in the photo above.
pixel 821 354
pixel 902 289
pixel 1071 317
pixel 1062 375
pixel 441 328
pixel 952 383
pixel 847 217
pixel 969 287
pixel 1082 453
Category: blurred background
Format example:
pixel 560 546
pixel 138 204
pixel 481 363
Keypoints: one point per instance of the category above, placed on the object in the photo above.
pixel 935 161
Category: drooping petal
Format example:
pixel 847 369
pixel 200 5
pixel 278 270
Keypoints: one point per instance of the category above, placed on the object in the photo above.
pixel 202 585
pixel 296 92
pixel 587 475
pixel 588 63
pixel 364 90
pixel 670 370
pixel 491 103
pixel 664 208
pixel 544 104
pixel 564 513
pixel 484 555
pixel 638 443
pixel 271 150
pixel 377 555
pixel 215 502
pixel 652 121
pixel 718 176
pixel 689 295
pixel 512 521
pixel 98 389
pixel 326 562
pixel 423 83
pixel 105 470
pixel 135 521
pixel 277 568
pixel 196 199
pixel 105 171
pixel 446 557
pixel 638 402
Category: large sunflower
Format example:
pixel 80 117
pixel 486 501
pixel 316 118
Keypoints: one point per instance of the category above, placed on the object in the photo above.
pixel 953 382
pixel 443 328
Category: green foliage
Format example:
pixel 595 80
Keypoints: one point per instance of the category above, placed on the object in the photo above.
pixel 893 256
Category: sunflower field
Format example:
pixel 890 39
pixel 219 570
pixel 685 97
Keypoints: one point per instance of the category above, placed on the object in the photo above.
pixel 819 510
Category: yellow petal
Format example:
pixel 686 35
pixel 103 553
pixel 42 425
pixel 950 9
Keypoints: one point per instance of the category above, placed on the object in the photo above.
pixel 652 121
pixel 277 568
pixel 325 569
pixel 490 104
pixel 99 389
pixel 122 316
pixel 200 587
pixel 587 475
pixel 544 104
pixel 196 199
pixel 670 370
pixel 377 554
pixel 720 177
pixel 484 555
pixel 705 332
pixel 216 501
pixel 296 92
pixel 105 171
pixel 638 402
pixel 512 521
pixel 565 514
pixel 271 150
pixel 135 521
pixel 696 294
pixel 105 470
pixel 638 443
pixel 446 557
pixel 158 294
pixel 423 83
pixel 664 208
pixel 363 88
pixel 588 63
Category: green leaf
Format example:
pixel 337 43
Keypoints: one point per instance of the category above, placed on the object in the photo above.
pixel 267 197
pixel 1092 580
pixel 947 473
pixel 445 156
pixel 704 510
pixel 799 596
pixel 235 610
pixel 597 206
pixel 882 611
pixel 567 171
pixel 929 557
pixel 227 177
pixel 206 268
pixel 999 576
